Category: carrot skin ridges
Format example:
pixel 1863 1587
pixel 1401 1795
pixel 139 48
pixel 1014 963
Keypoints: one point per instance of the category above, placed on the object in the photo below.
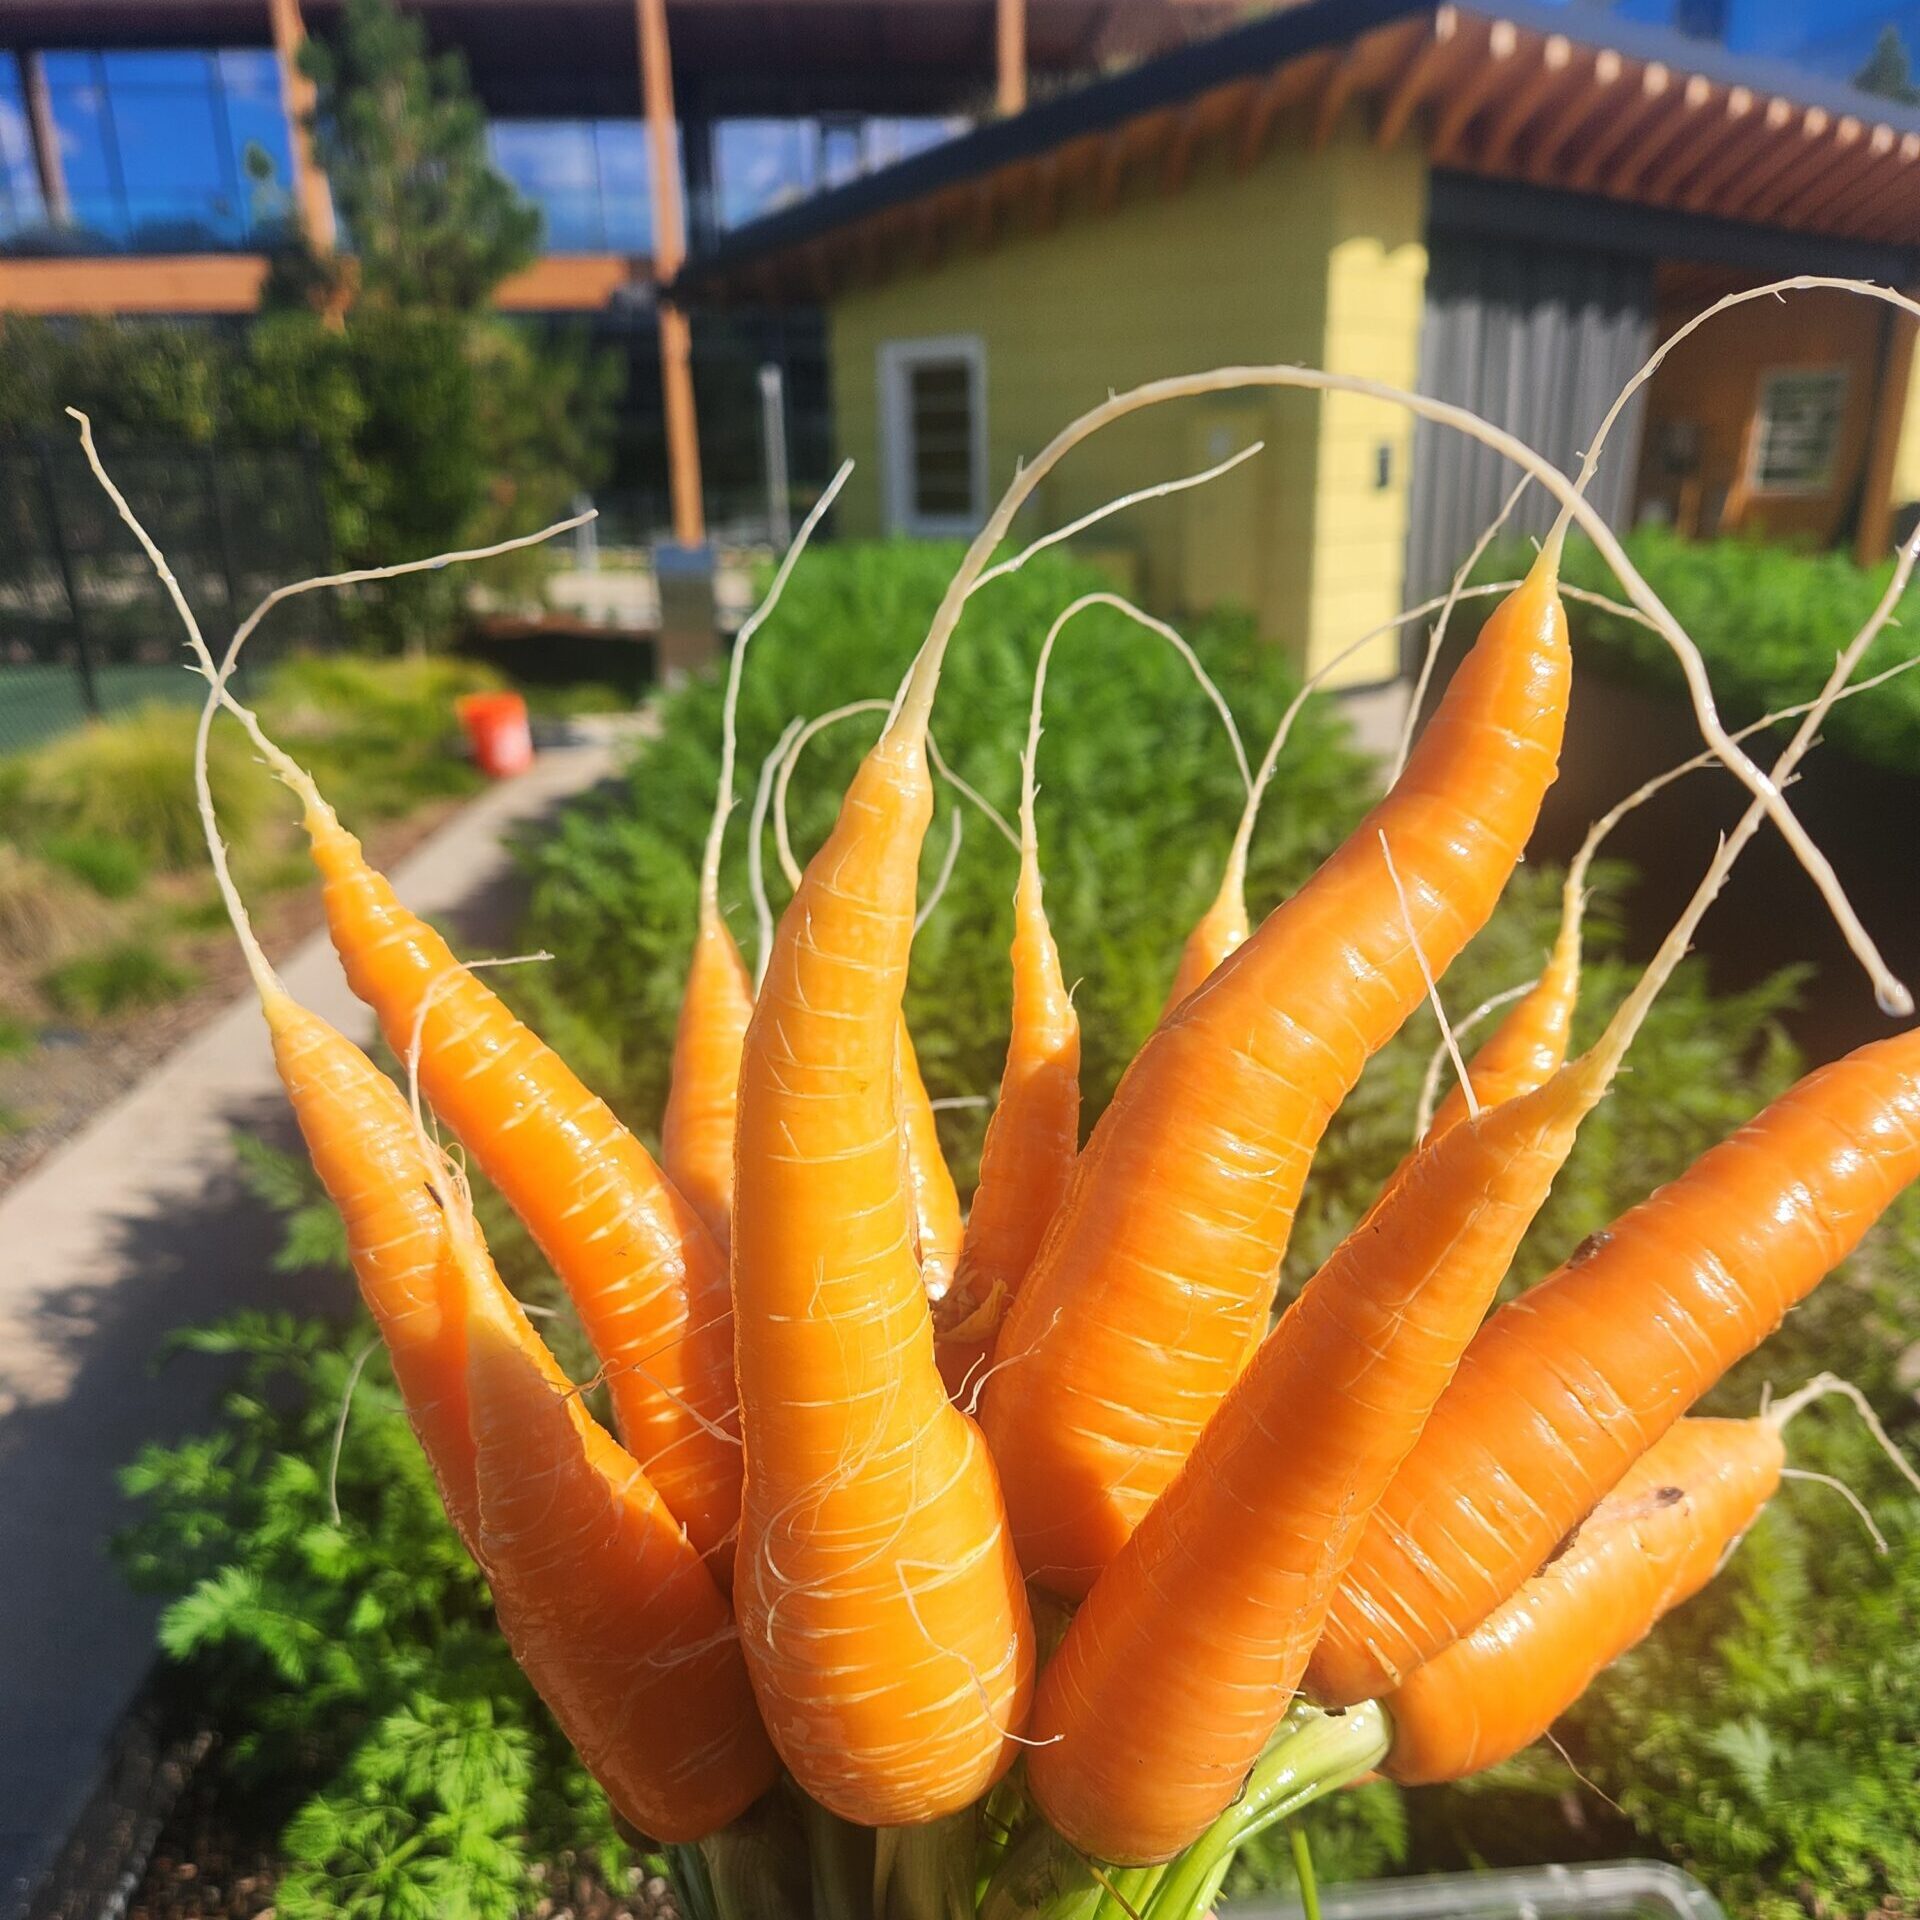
pixel 641 1269
pixel 696 1131
pixel 1566 1387
pixel 938 1225
pixel 1529 1046
pixel 1032 1141
pixel 361 1137
pixel 880 1605
pixel 602 1597
pixel 1655 1541
pixel 1154 1280
pixel 1183 1657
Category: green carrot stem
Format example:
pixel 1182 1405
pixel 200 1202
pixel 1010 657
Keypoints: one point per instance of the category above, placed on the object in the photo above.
pixel 1314 1754
pixel 840 1859
pixel 1303 1871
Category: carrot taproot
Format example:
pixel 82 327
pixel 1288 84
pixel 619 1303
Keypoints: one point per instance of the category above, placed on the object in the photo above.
pixel 1567 1385
pixel 603 1598
pixel 1651 1544
pixel 880 1604
pixel 939 1225
pixel 1155 1278
pixel 643 1272
pixel 1185 1652
pixel 1034 1134
pixel 696 1130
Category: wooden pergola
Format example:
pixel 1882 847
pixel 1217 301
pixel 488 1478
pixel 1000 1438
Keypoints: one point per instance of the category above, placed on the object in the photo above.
pixel 1489 93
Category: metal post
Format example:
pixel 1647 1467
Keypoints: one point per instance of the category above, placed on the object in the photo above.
pixel 56 530
pixel 773 439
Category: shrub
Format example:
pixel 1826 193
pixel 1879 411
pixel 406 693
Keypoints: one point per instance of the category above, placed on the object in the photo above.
pixel 41 911
pixel 1768 620
pixel 112 868
pixel 119 979
pixel 130 779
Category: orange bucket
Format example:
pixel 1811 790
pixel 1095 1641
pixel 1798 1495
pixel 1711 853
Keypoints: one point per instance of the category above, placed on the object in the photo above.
pixel 497 730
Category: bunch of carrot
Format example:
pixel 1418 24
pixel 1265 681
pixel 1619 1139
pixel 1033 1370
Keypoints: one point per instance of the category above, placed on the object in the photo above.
pixel 1018 1559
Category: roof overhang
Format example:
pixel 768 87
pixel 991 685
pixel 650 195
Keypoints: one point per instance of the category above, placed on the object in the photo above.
pixel 1558 99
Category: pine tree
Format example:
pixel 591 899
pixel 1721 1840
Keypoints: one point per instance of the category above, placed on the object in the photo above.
pixel 428 221
pixel 1888 71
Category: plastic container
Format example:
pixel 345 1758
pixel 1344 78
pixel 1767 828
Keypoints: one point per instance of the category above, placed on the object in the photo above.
pixel 498 732
pixel 1606 1890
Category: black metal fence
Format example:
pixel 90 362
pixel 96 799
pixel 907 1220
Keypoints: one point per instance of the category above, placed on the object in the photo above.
pixel 85 626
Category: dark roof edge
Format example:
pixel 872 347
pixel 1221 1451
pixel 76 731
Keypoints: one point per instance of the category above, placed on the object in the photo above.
pixel 1162 81
pixel 1261 44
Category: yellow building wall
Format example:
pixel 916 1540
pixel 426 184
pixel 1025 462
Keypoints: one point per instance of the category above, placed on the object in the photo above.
pixel 1906 459
pixel 1313 258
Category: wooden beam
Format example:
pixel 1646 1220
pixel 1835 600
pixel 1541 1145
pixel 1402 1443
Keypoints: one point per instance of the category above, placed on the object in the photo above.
pixel 1111 173
pixel 669 252
pixel 1899 186
pixel 1697 144
pixel 1528 97
pixel 311 200
pixel 1606 67
pixel 1432 61
pixel 1763 198
pixel 1334 96
pixel 1675 127
pixel 567 283
pixel 1282 88
pixel 1043 198
pixel 1494 71
pixel 1790 150
pixel 1656 85
pixel 115 284
pixel 1188 132
pixel 1010 51
pixel 1873 535
pixel 1756 135
pixel 1850 168
pixel 1835 202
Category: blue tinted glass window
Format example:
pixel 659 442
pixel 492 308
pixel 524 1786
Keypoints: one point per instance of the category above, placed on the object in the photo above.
pixel 626 185
pixel 21 205
pixel 763 165
pixel 261 137
pixel 589 178
pixel 176 159
pixel 172 151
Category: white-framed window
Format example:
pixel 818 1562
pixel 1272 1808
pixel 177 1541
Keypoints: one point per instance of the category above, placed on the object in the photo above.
pixel 1796 429
pixel 933 434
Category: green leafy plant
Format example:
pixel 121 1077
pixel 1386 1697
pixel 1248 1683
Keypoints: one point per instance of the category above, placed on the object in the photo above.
pixel 118 979
pixel 344 1639
pixel 1768 620
pixel 113 868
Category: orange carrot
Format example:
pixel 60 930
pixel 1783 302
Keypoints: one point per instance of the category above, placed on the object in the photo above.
pixel 1185 1653
pixel 642 1271
pixel 1157 1273
pixel 1567 1386
pixel 939 1224
pixel 1655 1541
pixel 696 1131
pixel 1034 1134
pixel 872 1522
pixel 602 1597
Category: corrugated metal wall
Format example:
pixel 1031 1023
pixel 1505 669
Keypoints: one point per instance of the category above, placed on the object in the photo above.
pixel 1538 340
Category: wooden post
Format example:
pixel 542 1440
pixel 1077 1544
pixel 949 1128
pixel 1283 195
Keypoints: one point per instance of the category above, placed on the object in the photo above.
pixel 1872 536
pixel 1010 44
pixel 46 141
pixel 669 253
pixel 310 196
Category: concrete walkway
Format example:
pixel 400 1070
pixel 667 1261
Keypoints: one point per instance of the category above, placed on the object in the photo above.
pixel 137 1225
